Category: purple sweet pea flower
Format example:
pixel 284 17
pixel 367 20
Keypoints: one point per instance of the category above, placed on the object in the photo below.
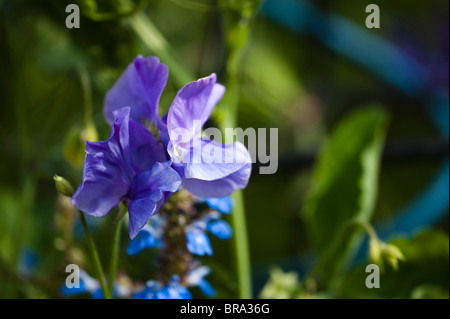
pixel 130 166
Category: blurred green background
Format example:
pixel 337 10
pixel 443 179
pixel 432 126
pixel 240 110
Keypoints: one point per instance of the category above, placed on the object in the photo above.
pixel 52 85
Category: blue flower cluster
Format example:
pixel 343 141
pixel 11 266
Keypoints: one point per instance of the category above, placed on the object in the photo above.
pixel 174 289
pixel 197 243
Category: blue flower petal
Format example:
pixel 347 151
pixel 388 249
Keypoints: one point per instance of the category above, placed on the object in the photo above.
pixel 220 228
pixel 198 243
pixel 97 294
pixel 174 290
pixel 221 204
pixel 69 292
pixel 207 289
pixel 149 292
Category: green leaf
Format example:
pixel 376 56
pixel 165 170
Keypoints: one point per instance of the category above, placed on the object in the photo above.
pixel 345 181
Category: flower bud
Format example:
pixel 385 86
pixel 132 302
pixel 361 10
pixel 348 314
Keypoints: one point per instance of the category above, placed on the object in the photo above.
pixel 392 254
pixel 63 186
pixel 381 253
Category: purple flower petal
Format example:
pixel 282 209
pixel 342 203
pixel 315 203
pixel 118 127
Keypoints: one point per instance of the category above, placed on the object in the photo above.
pixel 139 87
pixel 221 187
pixel 152 183
pixel 139 212
pixel 126 167
pixel 218 170
pixel 148 192
pixel 215 160
pixel 107 171
pixel 145 149
pixel 97 198
pixel 193 105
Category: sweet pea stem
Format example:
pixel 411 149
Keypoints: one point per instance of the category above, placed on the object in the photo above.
pixel 95 259
pixel 240 238
pixel 114 256
pixel 241 247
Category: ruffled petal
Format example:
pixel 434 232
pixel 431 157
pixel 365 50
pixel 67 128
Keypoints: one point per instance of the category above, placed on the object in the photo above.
pixel 149 190
pixel 218 188
pixel 215 160
pixel 217 170
pixel 97 198
pixel 154 182
pixel 140 87
pixel 192 107
pixel 107 171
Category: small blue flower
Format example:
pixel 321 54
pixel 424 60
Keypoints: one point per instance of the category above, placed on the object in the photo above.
pixel 87 285
pixel 220 228
pixel 174 290
pixel 196 278
pixel 221 204
pixel 155 290
pixel 29 261
pixel 149 292
pixel 198 242
pixel 92 286
pixel 148 237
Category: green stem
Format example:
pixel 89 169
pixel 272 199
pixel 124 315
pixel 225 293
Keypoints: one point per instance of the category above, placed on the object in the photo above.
pixel 240 239
pixel 335 244
pixel 114 256
pixel 241 247
pixel 95 259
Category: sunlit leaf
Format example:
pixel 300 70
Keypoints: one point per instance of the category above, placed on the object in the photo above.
pixel 344 185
